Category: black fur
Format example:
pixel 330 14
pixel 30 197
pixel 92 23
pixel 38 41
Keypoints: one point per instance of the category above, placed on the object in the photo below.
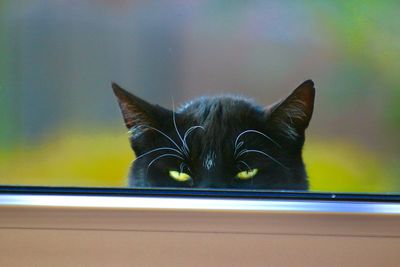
pixel 277 132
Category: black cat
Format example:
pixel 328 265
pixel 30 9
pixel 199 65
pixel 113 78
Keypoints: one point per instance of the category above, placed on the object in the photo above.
pixel 219 142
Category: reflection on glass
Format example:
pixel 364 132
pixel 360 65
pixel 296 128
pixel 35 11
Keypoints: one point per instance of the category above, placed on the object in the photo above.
pixel 60 124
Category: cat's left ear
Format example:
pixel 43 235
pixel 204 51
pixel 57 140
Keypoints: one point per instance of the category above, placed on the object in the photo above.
pixel 137 112
pixel 292 115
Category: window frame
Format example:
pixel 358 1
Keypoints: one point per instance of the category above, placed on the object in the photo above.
pixel 192 193
pixel 70 220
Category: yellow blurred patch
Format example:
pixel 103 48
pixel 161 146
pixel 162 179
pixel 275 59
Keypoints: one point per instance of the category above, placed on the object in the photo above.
pixel 102 159
pixel 340 166
pixel 72 159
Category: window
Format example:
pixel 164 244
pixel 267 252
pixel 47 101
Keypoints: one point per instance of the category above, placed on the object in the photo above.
pixel 60 121
pixel 220 181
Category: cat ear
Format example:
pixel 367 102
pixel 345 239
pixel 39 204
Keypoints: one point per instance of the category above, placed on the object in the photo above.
pixel 293 114
pixel 136 111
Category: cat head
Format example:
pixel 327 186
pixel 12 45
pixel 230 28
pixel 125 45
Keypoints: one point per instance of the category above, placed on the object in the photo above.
pixel 219 142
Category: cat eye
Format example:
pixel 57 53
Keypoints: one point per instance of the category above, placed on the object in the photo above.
pixel 179 176
pixel 245 175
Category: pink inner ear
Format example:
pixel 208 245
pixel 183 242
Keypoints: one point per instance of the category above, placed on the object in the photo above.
pixel 131 117
pixel 130 107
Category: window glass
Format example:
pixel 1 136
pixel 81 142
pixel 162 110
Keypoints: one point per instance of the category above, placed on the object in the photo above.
pixel 62 123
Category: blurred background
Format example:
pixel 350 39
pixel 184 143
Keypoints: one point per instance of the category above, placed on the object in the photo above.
pixel 60 124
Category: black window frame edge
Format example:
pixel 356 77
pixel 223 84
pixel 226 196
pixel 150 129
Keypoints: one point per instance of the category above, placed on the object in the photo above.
pixel 196 193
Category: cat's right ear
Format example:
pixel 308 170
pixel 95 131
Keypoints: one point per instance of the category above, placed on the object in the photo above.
pixel 135 111
pixel 293 114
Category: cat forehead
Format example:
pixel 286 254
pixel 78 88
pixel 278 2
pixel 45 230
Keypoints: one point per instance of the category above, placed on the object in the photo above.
pixel 224 100
pixel 207 109
pixel 221 119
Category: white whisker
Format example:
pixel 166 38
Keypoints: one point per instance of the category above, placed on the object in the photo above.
pixel 163 156
pixel 240 153
pixel 189 131
pixel 257 132
pixel 181 166
pixel 157 149
pixel 263 153
pixel 237 147
pixel 165 135
pixel 247 165
pixel 176 129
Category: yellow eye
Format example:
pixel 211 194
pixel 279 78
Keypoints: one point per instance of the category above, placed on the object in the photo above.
pixel 244 175
pixel 179 176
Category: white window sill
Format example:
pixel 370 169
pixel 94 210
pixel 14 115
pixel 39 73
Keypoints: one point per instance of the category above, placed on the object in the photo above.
pixel 179 231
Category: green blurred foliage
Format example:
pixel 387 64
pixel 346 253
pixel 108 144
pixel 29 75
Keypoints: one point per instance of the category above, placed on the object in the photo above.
pixel 369 33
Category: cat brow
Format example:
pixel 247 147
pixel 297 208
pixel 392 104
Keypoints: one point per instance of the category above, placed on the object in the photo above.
pixel 237 147
pixel 183 151
pixel 257 132
pixel 158 149
pixel 163 156
pixel 164 134
pixel 244 151
pixel 185 147
pixel 176 129
pixel 181 166
pixel 244 163
pixel 189 131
